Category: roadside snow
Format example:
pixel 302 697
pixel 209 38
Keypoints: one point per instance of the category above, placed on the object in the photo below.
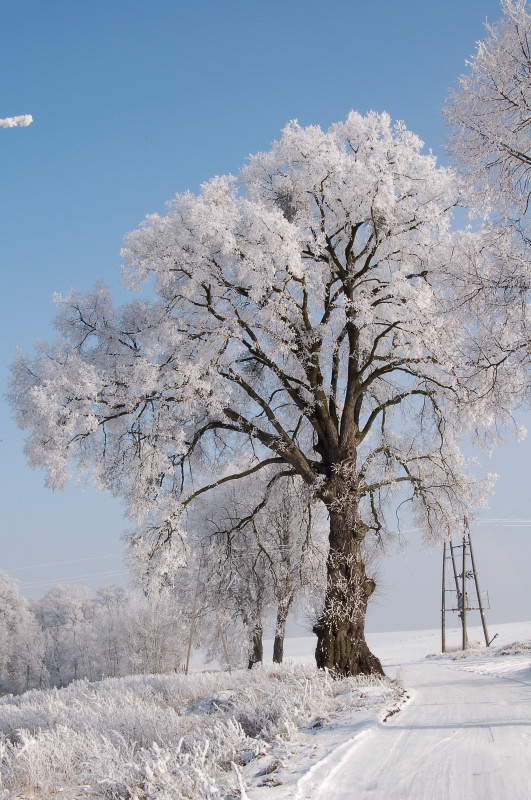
pixel 511 661
pixel 464 734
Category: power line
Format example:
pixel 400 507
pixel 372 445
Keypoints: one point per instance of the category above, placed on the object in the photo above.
pixel 60 563
pixel 73 578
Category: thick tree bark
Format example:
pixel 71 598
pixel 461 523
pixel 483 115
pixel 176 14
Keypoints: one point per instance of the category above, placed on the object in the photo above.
pixel 280 631
pixel 256 655
pixel 341 645
pixel 278 645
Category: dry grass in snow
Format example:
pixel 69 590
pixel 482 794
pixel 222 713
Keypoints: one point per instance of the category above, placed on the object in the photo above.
pixel 167 737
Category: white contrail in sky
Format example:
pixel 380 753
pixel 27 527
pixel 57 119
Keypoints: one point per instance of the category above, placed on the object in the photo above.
pixel 16 122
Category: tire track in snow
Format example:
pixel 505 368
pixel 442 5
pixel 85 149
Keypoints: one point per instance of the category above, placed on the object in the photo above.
pixel 464 736
pixel 323 771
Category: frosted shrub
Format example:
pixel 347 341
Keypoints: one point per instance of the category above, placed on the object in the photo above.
pixel 512 649
pixel 164 737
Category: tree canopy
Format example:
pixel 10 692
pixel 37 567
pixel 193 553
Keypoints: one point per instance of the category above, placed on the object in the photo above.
pixel 490 119
pixel 490 115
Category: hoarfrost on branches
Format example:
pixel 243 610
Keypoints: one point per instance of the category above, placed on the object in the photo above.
pixel 490 114
pixel 257 562
pixel 315 316
pixel 490 118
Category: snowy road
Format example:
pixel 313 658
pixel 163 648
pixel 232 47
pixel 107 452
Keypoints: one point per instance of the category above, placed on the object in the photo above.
pixel 463 736
pixel 465 733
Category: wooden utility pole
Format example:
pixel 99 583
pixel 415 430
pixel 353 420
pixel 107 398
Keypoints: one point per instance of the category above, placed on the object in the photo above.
pixel 478 593
pixel 464 599
pixel 456 577
pixel 462 603
pixel 443 602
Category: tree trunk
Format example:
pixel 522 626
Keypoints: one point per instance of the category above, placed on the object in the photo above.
pixel 280 631
pixel 341 646
pixel 256 656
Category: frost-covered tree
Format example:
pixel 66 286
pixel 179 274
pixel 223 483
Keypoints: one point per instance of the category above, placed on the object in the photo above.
pixel 291 528
pixel 22 642
pixel 66 616
pixel 110 621
pixel 490 119
pixel 156 633
pixel 275 554
pixel 235 585
pixel 490 115
pixel 316 316
pixel 245 580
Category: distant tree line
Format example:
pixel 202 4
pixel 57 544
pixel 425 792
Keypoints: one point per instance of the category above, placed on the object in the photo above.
pixel 240 576
pixel 69 634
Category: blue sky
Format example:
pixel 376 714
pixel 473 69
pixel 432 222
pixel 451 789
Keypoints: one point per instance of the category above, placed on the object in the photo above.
pixel 134 101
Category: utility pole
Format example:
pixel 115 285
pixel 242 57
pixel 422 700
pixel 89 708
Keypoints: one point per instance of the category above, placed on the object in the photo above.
pixel 464 598
pixel 460 601
pixel 443 602
pixel 478 593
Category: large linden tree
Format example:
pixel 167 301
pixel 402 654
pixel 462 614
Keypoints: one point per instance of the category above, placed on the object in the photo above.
pixel 315 316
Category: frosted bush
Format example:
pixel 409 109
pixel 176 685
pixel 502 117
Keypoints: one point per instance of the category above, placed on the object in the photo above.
pixel 165 737
pixel 477 649
pixel 514 649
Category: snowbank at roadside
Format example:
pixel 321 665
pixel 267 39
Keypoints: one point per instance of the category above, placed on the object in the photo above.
pixel 511 660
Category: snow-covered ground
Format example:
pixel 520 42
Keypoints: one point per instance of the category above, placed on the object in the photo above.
pixel 443 727
pixel 464 732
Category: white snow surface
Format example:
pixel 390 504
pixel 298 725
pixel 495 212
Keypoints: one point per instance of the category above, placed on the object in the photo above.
pixel 444 726
pixel 464 732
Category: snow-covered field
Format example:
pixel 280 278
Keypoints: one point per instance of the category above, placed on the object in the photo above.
pixel 459 728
